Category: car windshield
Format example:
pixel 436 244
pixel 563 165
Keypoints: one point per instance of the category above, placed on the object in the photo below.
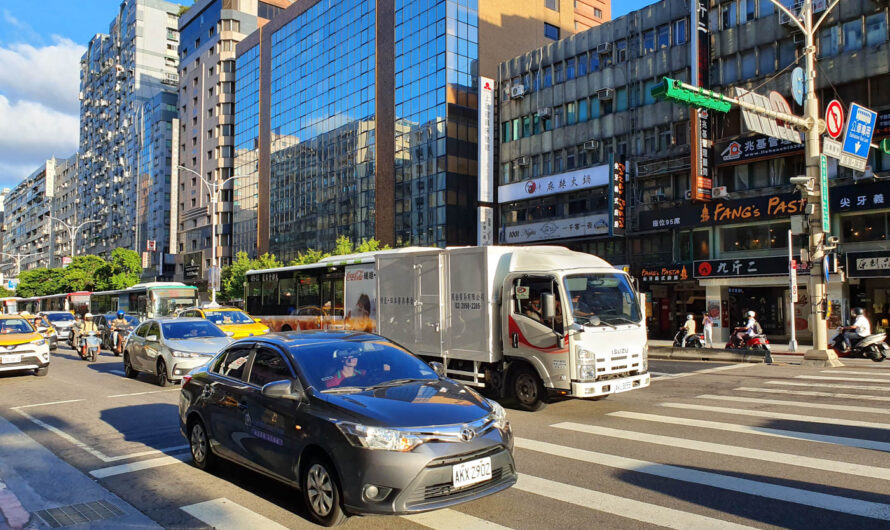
pixel 15 325
pixel 131 320
pixel 60 317
pixel 358 365
pixel 228 317
pixel 609 297
pixel 192 329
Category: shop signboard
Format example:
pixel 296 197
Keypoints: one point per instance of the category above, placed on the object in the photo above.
pixel 754 148
pixel 192 268
pixel 745 267
pixel 700 122
pixel 579 179
pixel 677 272
pixel 882 128
pixel 591 225
pixel 868 264
pixel 761 208
pixel 859 197
pixel 618 206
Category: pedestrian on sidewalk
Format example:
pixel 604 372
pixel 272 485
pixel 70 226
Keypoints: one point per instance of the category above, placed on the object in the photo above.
pixel 707 324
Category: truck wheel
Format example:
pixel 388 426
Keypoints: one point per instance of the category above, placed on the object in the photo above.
pixel 528 390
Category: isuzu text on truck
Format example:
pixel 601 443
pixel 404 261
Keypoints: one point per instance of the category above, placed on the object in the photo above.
pixel 523 322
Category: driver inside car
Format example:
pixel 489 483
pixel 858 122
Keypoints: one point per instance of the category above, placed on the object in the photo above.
pixel 348 368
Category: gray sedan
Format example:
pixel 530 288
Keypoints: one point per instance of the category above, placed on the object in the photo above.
pixel 171 347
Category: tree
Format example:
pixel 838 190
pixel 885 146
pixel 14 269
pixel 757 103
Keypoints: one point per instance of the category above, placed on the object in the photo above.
pixel 4 292
pixel 40 282
pixel 80 274
pixel 233 276
pixel 342 246
pixel 310 256
pixel 124 270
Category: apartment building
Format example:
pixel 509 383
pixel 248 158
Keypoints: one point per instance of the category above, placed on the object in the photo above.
pixel 27 243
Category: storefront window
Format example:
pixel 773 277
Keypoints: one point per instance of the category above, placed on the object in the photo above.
pixel 865 227
pixel 755 237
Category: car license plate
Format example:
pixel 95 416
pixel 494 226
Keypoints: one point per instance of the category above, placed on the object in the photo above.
pixel 10 359
pixel 624 386
pixel 471 472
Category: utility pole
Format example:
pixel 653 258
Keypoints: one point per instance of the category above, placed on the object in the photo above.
pixel 18 260
pixel 72 232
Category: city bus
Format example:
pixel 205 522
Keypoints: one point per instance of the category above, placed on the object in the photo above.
pixel 78 302
pixel 146 300
pixel 314 296
pixel 10 304
pixel 31 305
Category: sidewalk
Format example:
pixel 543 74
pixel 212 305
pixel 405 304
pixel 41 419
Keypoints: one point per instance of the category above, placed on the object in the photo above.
pixel 40 490
pixel 664 349
pixel 780 348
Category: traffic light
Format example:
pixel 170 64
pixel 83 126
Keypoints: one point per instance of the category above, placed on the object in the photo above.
pixel 697 97
pixel 885 145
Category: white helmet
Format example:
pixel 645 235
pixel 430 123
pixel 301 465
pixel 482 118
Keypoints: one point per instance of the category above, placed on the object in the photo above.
pixel 88 315
pixel 689 317
pixel 751 314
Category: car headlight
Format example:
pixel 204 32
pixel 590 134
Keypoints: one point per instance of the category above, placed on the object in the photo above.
pixel 379 438
pixel 39 342
pixel 498 415
pixel 265 330
pixel 585 355
pixel 586 371
pixel 184 354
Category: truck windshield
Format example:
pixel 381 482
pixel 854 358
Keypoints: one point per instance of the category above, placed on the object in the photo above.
pixel 607 296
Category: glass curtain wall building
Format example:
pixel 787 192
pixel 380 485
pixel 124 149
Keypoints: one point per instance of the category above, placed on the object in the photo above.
pixel 247 151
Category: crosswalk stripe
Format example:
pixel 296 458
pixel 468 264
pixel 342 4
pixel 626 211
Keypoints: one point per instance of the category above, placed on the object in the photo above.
pixel 835 378
pixel 734 451
pixel 845 372
pixel 778 415
pixel 628 508
pixel 814 393
pixel 827 385
pixel 224 514
pixel 104 472
pixel 801 404
pixel 448 519
pixel 762 431
pixel 824 501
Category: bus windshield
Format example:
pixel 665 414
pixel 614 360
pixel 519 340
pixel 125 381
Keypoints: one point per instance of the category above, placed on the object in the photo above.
pixel 167 301
pixel 607 296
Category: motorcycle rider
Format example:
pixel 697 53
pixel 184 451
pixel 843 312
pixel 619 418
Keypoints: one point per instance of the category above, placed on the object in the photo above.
pixel 751 329
pixel 851 335
pixel 88 325
pixel 119 326
pixel 689 326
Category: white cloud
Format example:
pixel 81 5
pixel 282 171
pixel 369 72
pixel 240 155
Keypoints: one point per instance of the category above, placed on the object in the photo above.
pixel 49 75
pixel 31 133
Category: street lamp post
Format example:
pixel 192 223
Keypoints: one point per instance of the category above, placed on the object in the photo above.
pixel 72 232
pixel 213 188
pixel 18 260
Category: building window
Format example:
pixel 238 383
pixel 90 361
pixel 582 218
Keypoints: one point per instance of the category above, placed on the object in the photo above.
pixel 597 12
pixel 621 100
pixel 755 237
pixel 649 41
pixel 853 35
pixel 553 5
pixel 582 65
pixel 730 70
pixel 767 60
pixel 749 65
pixel 526 126
pixel 680 35
pixel 548 76
pixel 551 31
pixel 746 10
pixel 571 113
pixel 728 15
pixel 582 110
pixel 570 69
pixel 864 227
pixel 766 8
pixel 828 42
pixel 621 50
pixel 557 117
pixel 664 37
pixel 875 29
pixel 594 64
pixel 557 73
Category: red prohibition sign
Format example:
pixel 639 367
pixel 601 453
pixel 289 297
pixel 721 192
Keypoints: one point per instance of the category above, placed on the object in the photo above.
pixel 834 119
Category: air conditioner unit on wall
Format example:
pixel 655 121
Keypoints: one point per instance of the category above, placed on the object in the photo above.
pixel 517 91
pixel 604 48
pixel 605 93
pixel 719 192
pixel 544 112
pixel 592 145
pixel 521 161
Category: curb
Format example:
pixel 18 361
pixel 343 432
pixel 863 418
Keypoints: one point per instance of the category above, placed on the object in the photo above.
pixel 704 354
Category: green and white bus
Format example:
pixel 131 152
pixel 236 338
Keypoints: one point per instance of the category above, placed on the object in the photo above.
pixel 146 300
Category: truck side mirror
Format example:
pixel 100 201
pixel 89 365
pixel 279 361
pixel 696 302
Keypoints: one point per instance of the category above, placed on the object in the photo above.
pixel 548 306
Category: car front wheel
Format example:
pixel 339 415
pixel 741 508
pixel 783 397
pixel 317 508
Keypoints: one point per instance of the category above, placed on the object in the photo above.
pixel 163 379
pixel 321 493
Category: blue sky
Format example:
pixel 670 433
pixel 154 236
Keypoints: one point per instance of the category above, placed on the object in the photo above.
pixel 40 50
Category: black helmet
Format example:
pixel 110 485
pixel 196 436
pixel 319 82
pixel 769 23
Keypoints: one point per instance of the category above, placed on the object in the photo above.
pixel 858 311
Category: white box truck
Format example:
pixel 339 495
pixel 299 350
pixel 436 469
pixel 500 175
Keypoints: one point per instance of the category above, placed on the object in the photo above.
pixel 526 323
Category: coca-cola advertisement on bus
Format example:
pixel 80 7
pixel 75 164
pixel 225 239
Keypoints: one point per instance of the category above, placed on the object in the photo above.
pixel 359 295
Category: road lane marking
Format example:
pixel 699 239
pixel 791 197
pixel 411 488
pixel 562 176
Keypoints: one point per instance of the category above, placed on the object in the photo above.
pixel 448 519
pixel 855 379
pixel 46 404
pixel 800 404
pixel 779 415
pixel 820 464
pixel 845 372
pixel 826 501
pixel 117 372
pixel 146 453
pixel 224 514
pixel 143 393
pixel 762 431
pixel 104 472
pixel 828 385
pixel 11 509
pixel 704 371
pixel 814 393
pixel 623 507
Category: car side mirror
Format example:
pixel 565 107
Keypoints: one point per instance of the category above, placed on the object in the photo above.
pixel 284 389
pixel 151 338
pixel 548 306
pixel 438 368
pixel 258 320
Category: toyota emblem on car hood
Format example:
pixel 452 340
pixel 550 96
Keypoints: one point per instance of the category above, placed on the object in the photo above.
pixel 467 433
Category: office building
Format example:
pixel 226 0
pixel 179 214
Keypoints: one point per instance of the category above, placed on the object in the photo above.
pixel 209 31
pixel 26 221
pixel 708 203
pixel 360 118
pixel 122 74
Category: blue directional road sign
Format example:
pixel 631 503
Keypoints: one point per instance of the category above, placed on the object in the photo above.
pixel 860 128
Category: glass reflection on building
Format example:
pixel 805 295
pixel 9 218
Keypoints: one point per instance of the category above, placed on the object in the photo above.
pixel 247 130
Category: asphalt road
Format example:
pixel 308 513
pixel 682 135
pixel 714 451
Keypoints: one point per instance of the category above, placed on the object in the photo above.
pixel 708 445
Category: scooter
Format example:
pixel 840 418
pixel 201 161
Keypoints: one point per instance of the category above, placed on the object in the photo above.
pixel 118 337
pixel 696 340
pixel 90 346
pixel 753 342
pixel 872 347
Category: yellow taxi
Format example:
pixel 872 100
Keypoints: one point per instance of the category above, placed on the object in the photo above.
pixel 229 319
pixel 21 347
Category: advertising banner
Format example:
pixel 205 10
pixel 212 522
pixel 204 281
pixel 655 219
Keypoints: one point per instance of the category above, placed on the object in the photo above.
pixel 579 179
pixel 701 177
pixel 591 225
pixel 486 139
pixel 360 293
pixel 761 208
pixel 617 201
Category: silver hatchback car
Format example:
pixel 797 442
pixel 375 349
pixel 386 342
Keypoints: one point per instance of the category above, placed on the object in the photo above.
pixel 171 347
